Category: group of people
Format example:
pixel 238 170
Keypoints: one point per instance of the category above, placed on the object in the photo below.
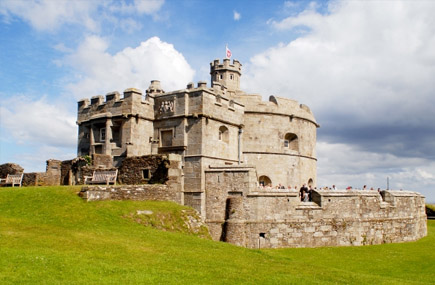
pixel 305 192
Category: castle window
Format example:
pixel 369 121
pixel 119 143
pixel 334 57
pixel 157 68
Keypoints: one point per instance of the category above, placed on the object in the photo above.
pixel 218 99
pixel 116 134
pixel 291 142
pixel 146 174
pixel 102 134
pixel 231 77
pixel 231 105
pixel 221 77
pixel 223 134
pixel 166 138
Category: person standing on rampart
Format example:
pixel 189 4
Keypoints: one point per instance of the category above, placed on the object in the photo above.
pixel 310 194
pixel 302 191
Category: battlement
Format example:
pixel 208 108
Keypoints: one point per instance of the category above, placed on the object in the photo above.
pixel 226 65
pixel 155 88
pixel 254 104
pixel 227 74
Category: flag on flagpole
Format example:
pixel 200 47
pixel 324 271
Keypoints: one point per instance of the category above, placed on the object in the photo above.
pixel 228 52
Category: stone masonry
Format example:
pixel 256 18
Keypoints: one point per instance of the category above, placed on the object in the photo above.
pixel 241 213
pixel 211 126
pixel 222 151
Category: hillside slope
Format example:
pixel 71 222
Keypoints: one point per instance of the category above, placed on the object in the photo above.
pixel 50 235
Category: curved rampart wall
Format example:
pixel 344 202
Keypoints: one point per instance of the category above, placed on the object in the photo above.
pixel 340 218
pixel 273 218
pixel 265 145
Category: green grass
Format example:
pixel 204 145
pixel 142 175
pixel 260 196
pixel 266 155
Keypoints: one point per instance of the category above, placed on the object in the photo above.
pixel 50 235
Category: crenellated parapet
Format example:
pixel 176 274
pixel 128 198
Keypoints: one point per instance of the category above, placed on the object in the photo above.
pixel 226 73
pixel 264 217
pixel 276 106
pixel 226 64
pixel 112 104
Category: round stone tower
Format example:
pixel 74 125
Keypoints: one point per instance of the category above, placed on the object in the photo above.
pixel 226 74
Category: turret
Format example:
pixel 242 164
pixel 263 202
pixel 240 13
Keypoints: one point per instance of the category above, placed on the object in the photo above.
pixel 154 88
pixel 226 74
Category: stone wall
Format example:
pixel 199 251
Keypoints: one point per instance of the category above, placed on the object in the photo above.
pixel 241 213
pixel 51 176
pixel 151 169
pixel 155 192
pixel 10 168
pixel 166 169
pixel 337 219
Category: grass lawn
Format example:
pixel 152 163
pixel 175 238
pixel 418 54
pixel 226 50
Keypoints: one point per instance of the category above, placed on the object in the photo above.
pixel 50 235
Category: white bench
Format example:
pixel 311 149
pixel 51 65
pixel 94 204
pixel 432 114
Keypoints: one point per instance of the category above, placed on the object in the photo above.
pixel 102 177
pixel 12 179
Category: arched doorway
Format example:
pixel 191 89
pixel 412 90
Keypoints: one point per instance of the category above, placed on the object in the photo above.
pixel 264 181
pixel 310 182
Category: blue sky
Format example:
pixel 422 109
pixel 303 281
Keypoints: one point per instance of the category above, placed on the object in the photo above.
pixel 365 68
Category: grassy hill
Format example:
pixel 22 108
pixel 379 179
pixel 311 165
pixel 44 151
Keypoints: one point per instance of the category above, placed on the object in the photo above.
pixel 50 235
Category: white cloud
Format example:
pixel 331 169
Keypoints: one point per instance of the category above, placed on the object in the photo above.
pixel 366 70
pixel 38 122
pixel 99 72
pixel 49 15
pixel 365 62
pixel 345 165
pixel 236 16
pixel 137 6
pixel 148 6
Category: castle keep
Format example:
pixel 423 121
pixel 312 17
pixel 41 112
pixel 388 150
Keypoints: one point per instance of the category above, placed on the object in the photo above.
pixel 226 147
pixel 217 126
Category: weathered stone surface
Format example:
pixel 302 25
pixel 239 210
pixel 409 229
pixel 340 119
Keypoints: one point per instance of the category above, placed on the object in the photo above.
pixel 10 168
pixel 154 192
pixel 147 169
pixel 218 125
pixel 51 177
pixel 277 218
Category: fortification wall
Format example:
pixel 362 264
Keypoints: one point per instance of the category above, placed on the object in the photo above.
pixel 126 122
pixel 336 219
pixel 257 217
pixel 113 105
pixel 279 138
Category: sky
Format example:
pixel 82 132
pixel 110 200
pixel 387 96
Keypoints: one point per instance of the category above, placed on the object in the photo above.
pixel 365 68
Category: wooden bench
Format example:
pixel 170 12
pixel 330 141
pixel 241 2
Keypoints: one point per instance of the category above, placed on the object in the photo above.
pixel 12 179
pixel 102 177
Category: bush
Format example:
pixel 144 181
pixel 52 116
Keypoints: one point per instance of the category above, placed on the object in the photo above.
pixel 430 210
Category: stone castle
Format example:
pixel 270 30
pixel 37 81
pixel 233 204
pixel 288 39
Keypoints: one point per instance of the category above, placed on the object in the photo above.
pixel 225 152
pixel 217 126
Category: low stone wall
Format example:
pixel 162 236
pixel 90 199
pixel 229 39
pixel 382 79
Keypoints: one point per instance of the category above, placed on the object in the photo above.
pixel 10 168
pixel 51 177
pixel 336 219
pixel 156 192
pixel 240 213
pixel 146 169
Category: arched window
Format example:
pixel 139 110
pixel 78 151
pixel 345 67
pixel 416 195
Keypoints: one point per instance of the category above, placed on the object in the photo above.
pixel 264 181
pixel 223 134
pixel 291 142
